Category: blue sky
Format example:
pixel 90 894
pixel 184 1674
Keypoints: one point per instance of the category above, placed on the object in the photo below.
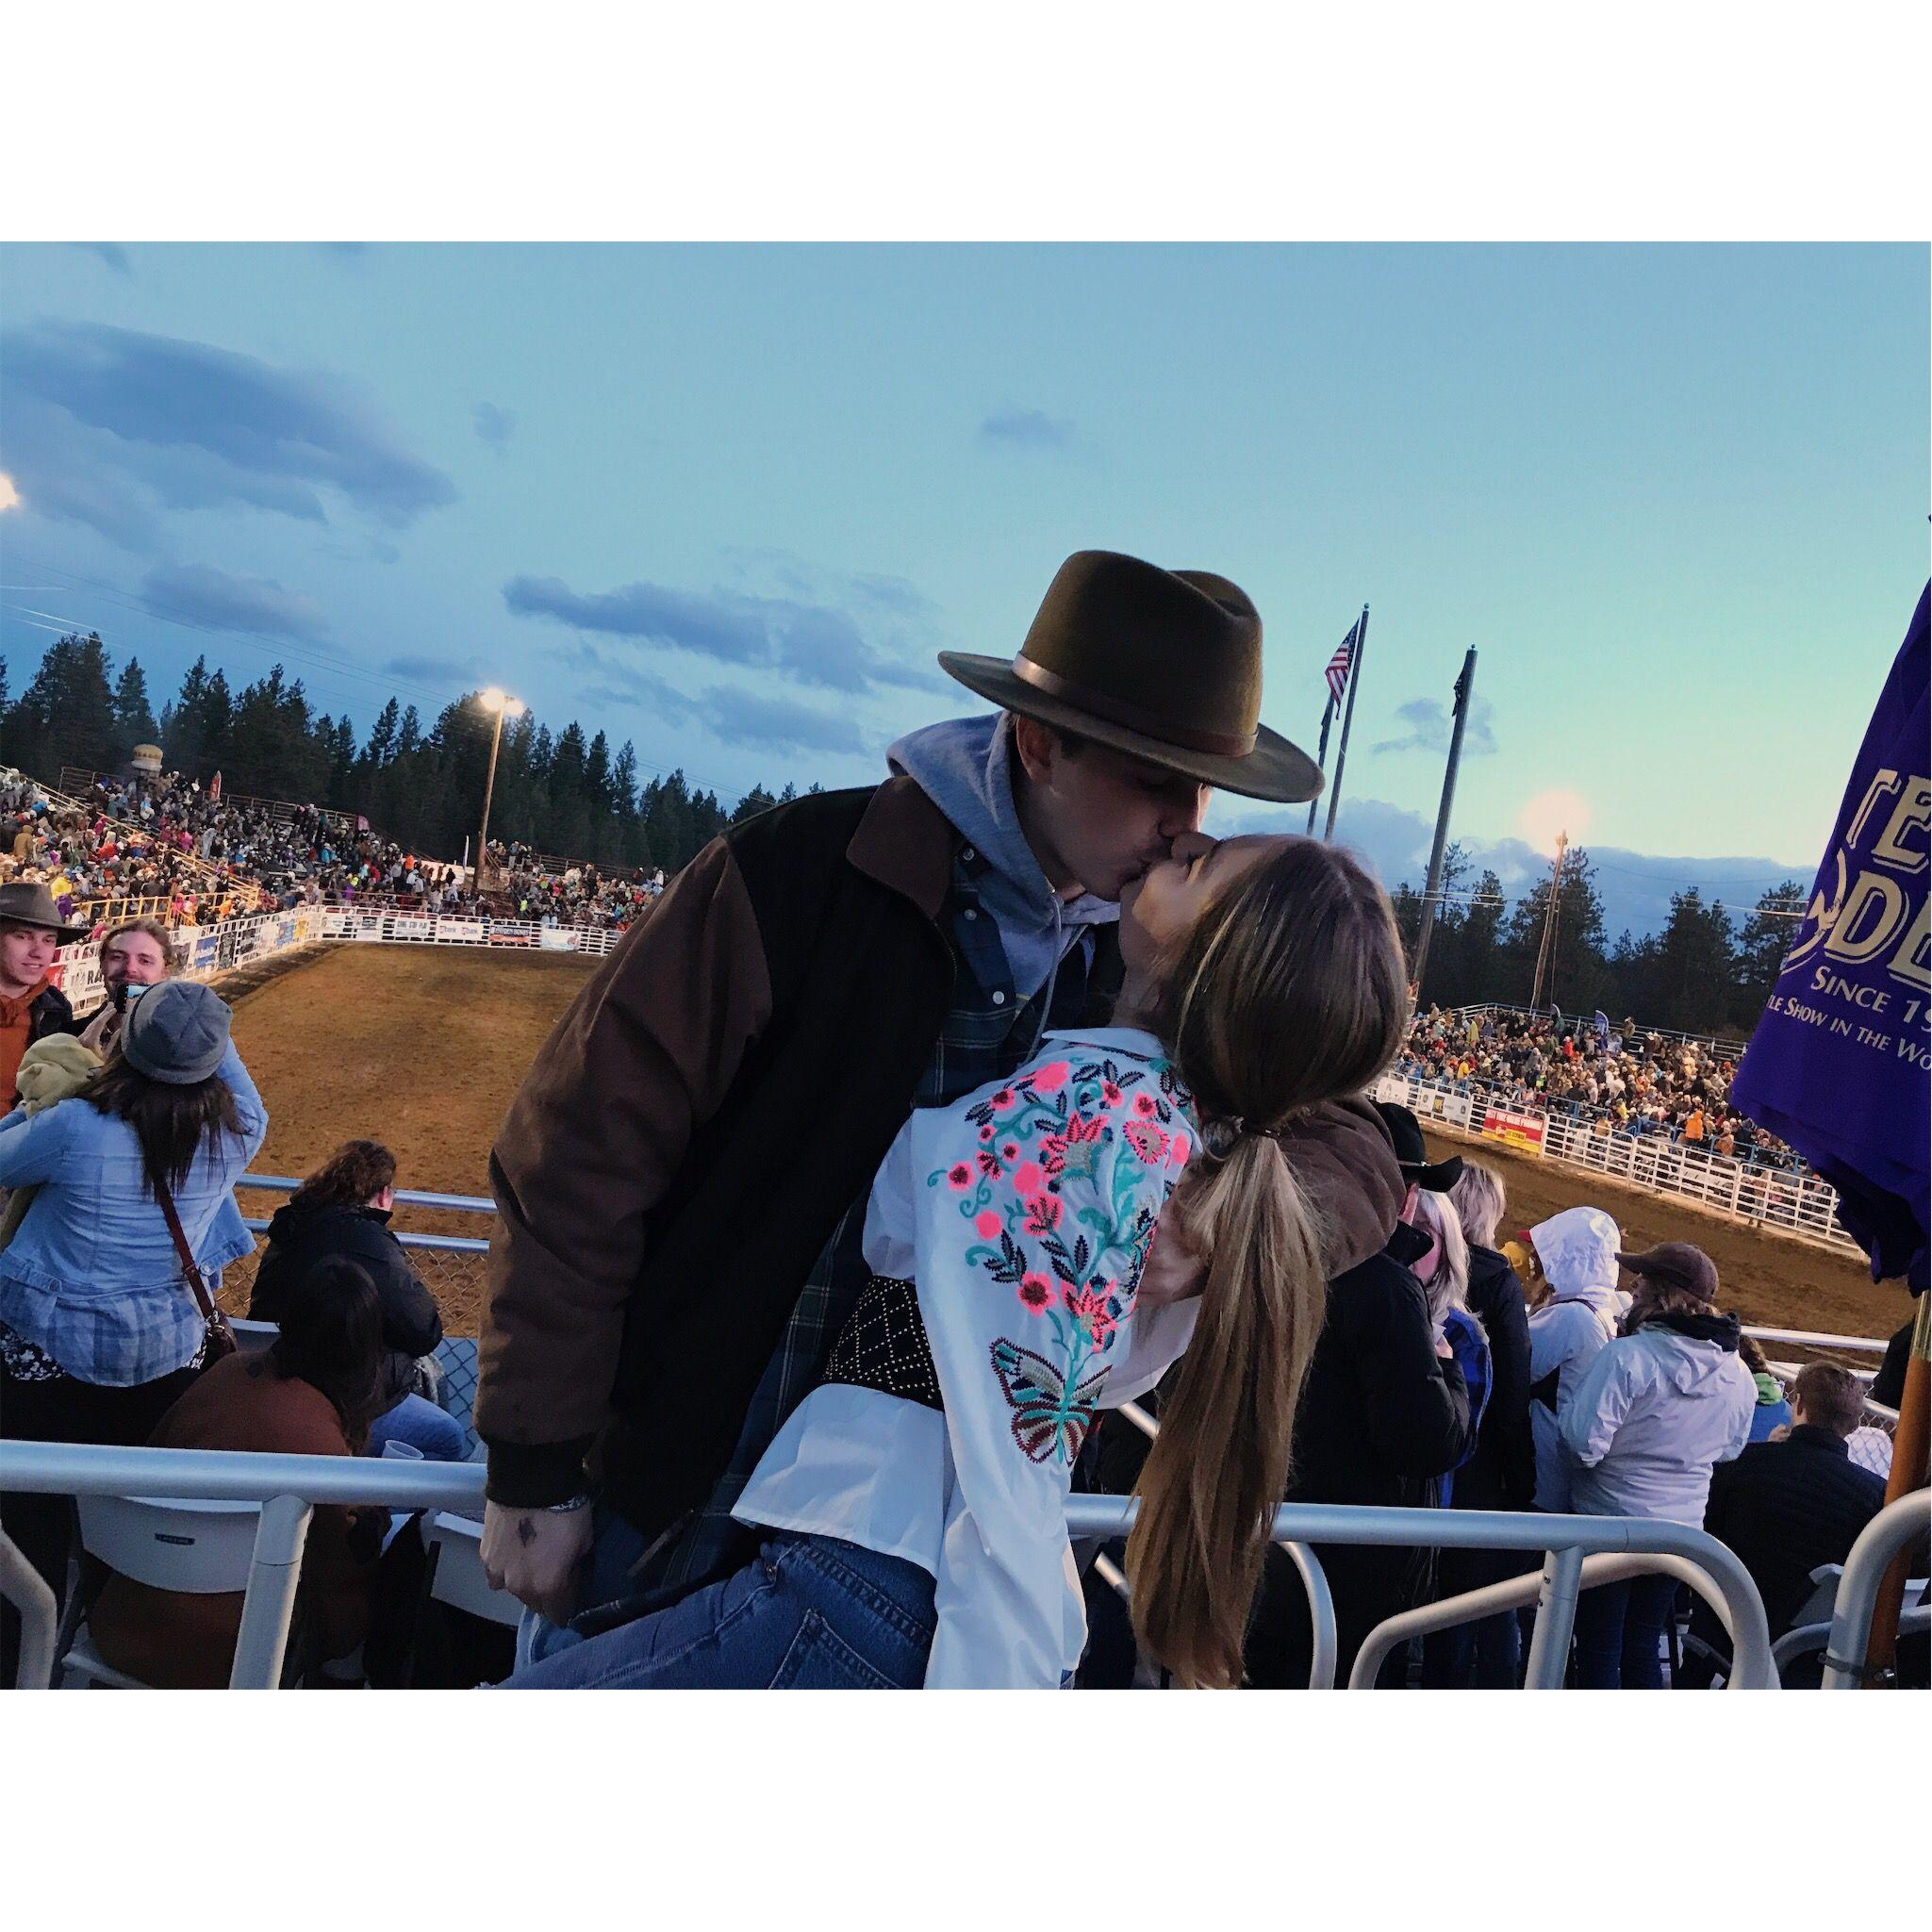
pixel 728 502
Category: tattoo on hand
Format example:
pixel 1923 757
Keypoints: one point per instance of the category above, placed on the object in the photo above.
pixel 526 1531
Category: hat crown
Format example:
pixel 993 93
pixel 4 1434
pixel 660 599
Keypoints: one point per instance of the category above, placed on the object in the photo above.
pixel 176 1032
pixel 1179 646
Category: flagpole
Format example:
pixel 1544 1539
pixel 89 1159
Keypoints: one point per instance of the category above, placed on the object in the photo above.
pixel 1347 718
pixel 1321 756
pixel 1431 893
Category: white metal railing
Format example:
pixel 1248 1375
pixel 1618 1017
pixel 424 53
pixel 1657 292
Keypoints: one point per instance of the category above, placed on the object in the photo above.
pixel 1895 1528
pixel 1796 1203
pixel 1583 1023
pixel 288 1486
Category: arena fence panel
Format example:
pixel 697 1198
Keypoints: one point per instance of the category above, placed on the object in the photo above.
pixel 1793 1203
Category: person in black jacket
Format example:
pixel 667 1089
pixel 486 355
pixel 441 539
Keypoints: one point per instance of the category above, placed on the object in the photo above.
pixel 343 1210
pixel 1888 1384
pixel 1383 1415
pixel 1784 1508
pixel 1501 1475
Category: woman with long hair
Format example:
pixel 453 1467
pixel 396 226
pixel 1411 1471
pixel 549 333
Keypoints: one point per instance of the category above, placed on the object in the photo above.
pixel 913 1505
pixel 311 1392
pixel 1501 1474
pixel 100 1330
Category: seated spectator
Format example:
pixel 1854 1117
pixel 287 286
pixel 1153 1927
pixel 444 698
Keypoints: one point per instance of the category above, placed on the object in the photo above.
pixel 1785 1507
pixel 100 1330
pixel 309 1394
pixel 1773 1412
pixel 31 1005
pixel 1654 1412
pixel 342 1210
pixel 1501 1474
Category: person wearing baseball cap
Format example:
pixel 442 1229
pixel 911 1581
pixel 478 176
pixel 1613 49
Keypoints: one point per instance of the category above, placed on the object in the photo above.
pixel 101 1328
pixel 1655 1412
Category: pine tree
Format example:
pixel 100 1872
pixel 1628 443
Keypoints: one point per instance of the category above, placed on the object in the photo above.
pixel 66 715
pixel 1695 966
pixel 755 800
pixel 1767 936
pixel 134 715
pixel 381 747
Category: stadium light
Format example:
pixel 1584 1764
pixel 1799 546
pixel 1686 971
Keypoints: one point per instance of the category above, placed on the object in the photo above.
pixel 500 702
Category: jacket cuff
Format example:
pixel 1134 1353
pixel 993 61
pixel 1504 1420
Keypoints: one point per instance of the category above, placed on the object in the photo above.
pixel 531 1476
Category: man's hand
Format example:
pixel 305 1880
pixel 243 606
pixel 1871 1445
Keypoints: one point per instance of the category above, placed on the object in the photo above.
pixel 534 1555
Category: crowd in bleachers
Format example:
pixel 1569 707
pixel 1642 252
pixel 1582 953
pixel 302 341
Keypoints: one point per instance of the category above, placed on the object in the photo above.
pixel 202 856
pixel 1620 1079
pixel 557 892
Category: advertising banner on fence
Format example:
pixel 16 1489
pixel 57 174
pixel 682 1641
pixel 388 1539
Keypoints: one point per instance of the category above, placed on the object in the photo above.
pixel 458 930
pixel 405 927
pixel 1523 1132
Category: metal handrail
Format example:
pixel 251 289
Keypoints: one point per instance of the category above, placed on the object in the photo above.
pixel 288 1486
pixel 1326 1650
pixel 1563 1541
pixel 466 1203
pixel 1895 1527
pixel 1554 1594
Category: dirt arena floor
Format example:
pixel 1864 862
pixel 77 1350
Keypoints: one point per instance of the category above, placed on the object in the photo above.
pixel 424 1049
pixel 421 1050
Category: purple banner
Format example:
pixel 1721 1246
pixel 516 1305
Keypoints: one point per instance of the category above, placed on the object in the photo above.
pixel 1841 1065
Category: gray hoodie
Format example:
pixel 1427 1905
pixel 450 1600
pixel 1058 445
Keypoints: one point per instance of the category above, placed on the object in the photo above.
pixel 965 766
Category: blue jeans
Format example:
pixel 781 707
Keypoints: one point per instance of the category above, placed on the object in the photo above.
pixel 807 1613
pixel 417 1420
pixel 1619 1627
pixel 1482 1656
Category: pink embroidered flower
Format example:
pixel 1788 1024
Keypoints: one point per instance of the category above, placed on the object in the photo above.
pixel 1043 1213
pixel 1144 1106
pixel 1073 1151
pixel 1028 1179
pixel 1177 1151
pixel 959 1177
pixel 1036 1294
pixel 987 1225
pixel 1089 1306
pixel 1052 1077
pixel 1010 1151
pixel 1110 1094
pixel 1004 1097
pixel 985 1133
pixel 1148 1141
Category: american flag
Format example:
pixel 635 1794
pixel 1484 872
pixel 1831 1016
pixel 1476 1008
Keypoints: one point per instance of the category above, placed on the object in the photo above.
pixel 1337 672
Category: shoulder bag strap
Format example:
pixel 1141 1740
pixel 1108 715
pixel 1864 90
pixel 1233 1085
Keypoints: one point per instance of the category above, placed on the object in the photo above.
pixel 190 1269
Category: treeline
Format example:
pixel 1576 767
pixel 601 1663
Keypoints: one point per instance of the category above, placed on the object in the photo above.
pixel 574 796
pixel 1706 972
pixel 420 785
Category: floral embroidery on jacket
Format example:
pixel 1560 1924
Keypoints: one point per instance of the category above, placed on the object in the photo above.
pixel 1071 1163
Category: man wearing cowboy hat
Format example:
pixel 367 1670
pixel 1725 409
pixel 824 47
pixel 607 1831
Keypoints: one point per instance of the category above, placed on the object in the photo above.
pixel 680 1180
pixel 31 1005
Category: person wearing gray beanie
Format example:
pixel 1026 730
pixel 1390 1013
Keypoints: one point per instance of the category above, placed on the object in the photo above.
pixel 100 1327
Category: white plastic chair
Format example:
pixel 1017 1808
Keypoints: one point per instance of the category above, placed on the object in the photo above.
pixel 199 1548
pixel 455 1547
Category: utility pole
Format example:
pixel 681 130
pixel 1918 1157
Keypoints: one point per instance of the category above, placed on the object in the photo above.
pixel 1546 953
pixel 1431 893
pixel 1347 718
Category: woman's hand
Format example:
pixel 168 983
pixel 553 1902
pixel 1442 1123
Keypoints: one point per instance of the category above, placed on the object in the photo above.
pixel 1174 1271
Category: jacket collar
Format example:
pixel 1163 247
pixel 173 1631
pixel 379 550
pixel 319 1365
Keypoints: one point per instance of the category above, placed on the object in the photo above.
pixel 906 843
pixel 1818 1438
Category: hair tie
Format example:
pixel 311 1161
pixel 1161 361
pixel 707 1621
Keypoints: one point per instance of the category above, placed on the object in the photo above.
pixel 1220 1137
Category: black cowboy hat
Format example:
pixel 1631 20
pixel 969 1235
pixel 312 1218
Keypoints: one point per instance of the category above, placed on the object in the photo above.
pixel 1411 1150
pixel 28 902
pixel 1163 664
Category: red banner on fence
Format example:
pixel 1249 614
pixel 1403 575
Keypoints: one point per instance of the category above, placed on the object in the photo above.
pixel 1523 1132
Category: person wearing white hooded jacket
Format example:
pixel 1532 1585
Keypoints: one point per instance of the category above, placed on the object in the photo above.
pixel 1656 1411
pixel 1577 1253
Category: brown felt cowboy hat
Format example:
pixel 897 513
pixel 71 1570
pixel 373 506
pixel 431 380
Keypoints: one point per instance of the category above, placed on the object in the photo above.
pixel 30 904
pixel 1163 664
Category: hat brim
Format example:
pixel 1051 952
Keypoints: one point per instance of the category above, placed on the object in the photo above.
pixel 1437 1178
pixel 63 936
pixel 1276 771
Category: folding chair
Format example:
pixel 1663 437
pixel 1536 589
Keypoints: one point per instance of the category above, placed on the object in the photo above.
pixel 200 1549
